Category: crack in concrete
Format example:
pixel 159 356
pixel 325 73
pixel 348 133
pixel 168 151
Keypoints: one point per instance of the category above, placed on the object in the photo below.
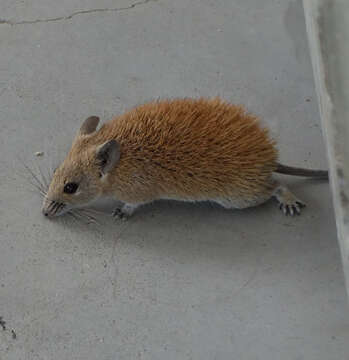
pixel 69 17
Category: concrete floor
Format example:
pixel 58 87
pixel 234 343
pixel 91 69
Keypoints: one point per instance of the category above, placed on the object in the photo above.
pixel 177 281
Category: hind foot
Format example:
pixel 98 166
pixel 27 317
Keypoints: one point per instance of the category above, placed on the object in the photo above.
pixel 289 203
pixel 125 211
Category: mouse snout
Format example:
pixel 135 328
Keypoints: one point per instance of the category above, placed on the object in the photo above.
pixel 45 212
pixel 52 208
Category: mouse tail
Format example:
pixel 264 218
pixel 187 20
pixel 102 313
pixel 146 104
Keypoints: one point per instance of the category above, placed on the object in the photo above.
pixel 290 170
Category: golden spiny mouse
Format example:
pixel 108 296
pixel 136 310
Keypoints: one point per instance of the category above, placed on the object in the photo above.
pixel 183 149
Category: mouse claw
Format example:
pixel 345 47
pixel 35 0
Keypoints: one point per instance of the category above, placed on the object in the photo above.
pixel 119 214
pixel 288 203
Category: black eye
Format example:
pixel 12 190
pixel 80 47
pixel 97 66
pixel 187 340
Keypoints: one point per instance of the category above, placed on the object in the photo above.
pixel 70 188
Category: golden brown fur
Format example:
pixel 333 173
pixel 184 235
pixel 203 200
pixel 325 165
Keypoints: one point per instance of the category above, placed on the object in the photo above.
pixel 191 150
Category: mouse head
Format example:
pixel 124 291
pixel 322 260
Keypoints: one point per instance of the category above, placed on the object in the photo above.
pixel 78 181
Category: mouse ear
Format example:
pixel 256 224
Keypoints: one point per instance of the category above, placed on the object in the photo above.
pixel 108 155
pixel 89 125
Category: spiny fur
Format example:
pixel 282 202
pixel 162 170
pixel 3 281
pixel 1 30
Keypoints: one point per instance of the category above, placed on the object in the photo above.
pixel 188 149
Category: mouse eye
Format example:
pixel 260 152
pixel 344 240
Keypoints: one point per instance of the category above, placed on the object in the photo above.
pixel 70 188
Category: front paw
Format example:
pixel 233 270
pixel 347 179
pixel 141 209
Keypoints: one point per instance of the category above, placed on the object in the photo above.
pixel 119 214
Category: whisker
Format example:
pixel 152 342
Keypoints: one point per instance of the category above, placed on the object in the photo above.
pixel 42 193
pixel 50 167
pixel 78 217
pixel 91 218
pixel 41 186
pixel 43 178
pixel 86 216
pixel 92 213
pixel 96 211
pixel 49 175
pixel 88 211
pixel 35 191
pixel 56 207
pixel 51 206
pixel 50 170
pixel 59 207
pixel 36 188
pixel 74 217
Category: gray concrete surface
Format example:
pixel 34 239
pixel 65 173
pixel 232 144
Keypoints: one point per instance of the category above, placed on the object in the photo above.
pixel 177 281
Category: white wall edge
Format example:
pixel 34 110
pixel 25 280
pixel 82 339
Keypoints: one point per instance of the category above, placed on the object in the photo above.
pixel 327 23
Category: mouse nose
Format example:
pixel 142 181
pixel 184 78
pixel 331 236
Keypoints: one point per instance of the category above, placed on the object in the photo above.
pixel 45 211
pixel 46 208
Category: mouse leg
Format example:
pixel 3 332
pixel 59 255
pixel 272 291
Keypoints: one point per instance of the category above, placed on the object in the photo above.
pixel 125 211
pixel 289 203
